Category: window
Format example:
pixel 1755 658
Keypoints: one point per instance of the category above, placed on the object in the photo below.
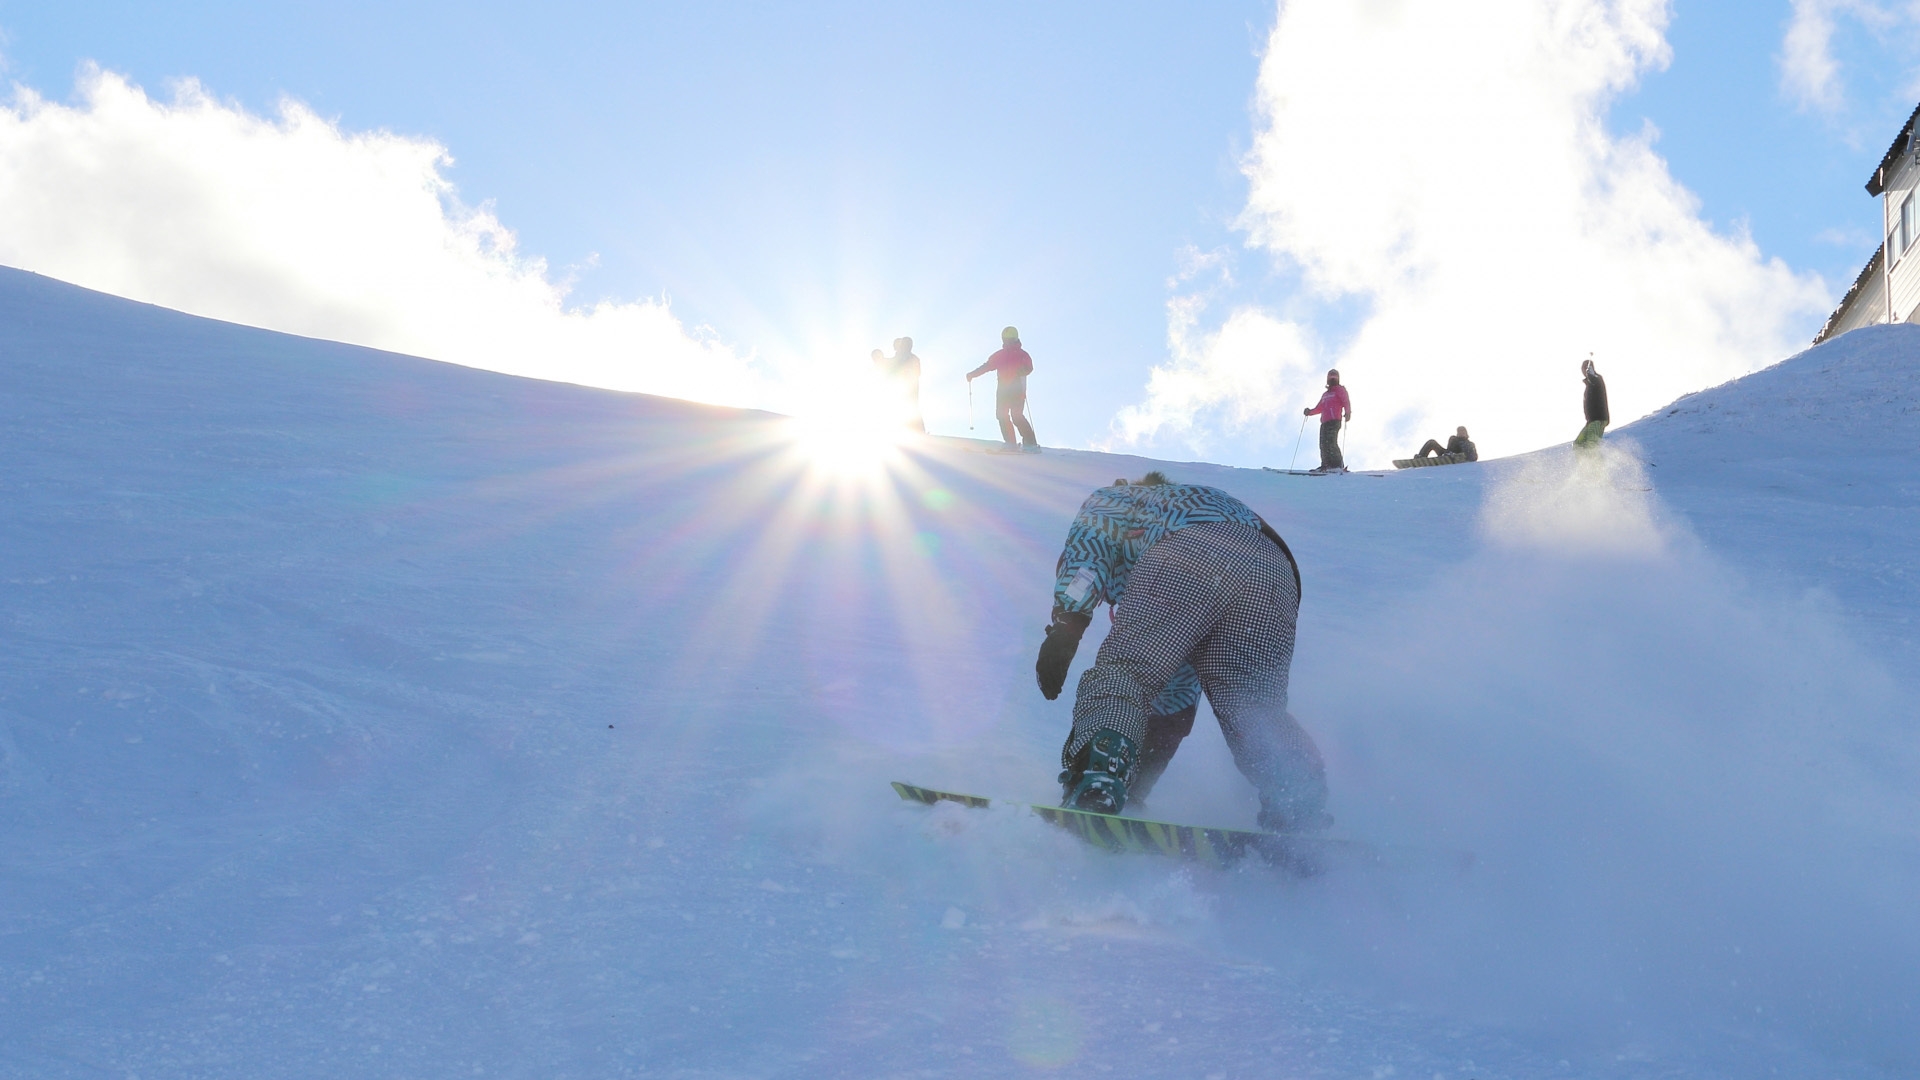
pixel 1909 224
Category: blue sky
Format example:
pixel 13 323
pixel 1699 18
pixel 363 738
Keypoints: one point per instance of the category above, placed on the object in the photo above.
pixel 819 178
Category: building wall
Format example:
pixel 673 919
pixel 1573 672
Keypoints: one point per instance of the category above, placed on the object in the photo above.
pixel 1902 185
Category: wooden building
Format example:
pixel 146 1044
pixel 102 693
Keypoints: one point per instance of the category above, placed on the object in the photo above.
pixel 1888 289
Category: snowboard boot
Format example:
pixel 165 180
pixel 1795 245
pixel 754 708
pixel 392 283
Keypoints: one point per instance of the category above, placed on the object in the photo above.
pixel 1098 778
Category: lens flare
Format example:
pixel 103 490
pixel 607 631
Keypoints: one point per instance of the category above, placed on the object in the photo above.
pixel 837 446
pixel 855 434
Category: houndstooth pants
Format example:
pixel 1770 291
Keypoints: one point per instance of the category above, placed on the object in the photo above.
pixel 1223 598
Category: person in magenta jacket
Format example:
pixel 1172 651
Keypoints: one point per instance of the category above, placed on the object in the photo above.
pixel 1012 365
pixel 1334 409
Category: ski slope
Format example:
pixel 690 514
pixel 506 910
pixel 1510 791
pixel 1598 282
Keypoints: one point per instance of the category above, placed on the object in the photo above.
pixel 367 716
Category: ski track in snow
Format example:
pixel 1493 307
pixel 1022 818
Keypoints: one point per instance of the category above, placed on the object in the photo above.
pixel 367 716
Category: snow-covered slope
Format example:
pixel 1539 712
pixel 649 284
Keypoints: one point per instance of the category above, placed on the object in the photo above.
pixel 365 716
pixel 1811 470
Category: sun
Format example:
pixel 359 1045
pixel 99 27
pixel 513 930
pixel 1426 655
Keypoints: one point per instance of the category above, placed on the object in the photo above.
pixel 856 435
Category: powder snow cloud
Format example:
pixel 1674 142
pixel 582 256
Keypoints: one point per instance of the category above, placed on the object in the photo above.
pixel 1448 170
pixel 294 224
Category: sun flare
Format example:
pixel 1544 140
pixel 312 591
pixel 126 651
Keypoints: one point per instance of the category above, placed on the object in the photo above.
pixel 836 447
pixel 854 436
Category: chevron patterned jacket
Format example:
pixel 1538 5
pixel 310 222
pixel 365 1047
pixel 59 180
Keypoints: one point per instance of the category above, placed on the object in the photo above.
pixel 1116 525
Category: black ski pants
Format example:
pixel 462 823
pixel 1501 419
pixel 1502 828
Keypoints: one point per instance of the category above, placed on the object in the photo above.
pixel 1330 458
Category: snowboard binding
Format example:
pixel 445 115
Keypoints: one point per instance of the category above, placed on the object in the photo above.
pixel 1097 780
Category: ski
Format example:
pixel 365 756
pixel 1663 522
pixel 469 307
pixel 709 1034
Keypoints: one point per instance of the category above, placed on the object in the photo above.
pixel 1298 854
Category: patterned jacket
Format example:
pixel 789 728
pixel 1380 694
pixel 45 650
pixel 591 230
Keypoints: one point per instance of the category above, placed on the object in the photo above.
pixel 1116 525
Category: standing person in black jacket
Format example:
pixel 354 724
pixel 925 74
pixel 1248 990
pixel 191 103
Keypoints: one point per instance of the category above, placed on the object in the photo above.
pixel 1596 404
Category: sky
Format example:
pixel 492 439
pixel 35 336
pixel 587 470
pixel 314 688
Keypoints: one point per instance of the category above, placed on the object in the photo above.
pixel 1190 212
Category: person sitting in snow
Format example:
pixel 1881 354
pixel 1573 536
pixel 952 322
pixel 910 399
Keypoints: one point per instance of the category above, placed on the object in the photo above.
pixel 1457 444
pixel 1595 403
pixel 1211 593
pixel 1334 409
pixel 1011 366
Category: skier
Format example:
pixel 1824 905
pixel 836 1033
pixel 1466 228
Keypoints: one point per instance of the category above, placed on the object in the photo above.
pixel 1596 406
pixel 902 372
pixel 1012 365
pixel 1458 443
pixel 1205 596
pixel 1334 407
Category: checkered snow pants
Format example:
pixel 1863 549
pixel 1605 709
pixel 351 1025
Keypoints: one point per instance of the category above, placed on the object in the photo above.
pixel 1221 597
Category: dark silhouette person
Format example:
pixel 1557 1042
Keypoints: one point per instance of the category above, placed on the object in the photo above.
pixel 1595 403
pixel 901 371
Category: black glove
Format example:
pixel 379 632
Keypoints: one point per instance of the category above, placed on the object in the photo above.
pixel 1056 653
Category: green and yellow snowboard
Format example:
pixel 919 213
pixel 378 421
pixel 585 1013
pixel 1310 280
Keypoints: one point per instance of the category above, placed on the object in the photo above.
pixel 1301 854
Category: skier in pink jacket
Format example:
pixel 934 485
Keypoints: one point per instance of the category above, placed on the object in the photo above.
pixel 1334 409
pixel 1011 365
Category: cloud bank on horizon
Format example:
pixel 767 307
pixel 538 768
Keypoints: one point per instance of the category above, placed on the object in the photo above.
pixel 295 225
pixel 1451 174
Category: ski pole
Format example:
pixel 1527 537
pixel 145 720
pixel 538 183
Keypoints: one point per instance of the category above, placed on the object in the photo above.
pixel 1295 459
pixel 969 404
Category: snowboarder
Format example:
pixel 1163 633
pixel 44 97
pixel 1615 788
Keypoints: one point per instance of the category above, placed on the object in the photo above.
pixel 902 372
pixel 1596 406
pixel 1334 408
pixel 1211 595
pixel 1012 365
pixel 1458 443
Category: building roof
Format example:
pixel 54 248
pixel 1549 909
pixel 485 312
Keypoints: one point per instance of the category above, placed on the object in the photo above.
pixel 1867 273
pixel 1878 181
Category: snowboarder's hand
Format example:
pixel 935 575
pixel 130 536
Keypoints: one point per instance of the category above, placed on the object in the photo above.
pixel 1056 653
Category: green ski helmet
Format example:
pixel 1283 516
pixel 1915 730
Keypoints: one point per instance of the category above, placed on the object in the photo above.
pixel 1010 334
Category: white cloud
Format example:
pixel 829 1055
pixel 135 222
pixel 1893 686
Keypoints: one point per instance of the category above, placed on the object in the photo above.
pixel 294 224
pixel 1449 165
pixel 1809 73
pixel 1257 358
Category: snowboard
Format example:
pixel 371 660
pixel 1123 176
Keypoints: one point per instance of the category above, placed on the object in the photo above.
pixel 1437 459
pixel 1305 472
pixel 1316 472
pixel 1299 854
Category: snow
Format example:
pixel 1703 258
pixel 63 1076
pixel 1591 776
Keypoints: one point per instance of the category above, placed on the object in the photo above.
pixel 367 716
